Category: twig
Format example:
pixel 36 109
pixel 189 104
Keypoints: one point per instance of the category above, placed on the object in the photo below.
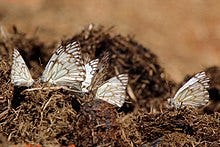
pixel 51 88
pixel 3 114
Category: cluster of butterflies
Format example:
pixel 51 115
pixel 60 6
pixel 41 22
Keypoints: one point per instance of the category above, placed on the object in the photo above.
pixel 66 68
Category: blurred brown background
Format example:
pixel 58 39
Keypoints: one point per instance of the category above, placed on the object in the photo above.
pixel 184 34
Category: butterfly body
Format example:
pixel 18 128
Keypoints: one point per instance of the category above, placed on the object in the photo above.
pixel 193 93
pixel 20 74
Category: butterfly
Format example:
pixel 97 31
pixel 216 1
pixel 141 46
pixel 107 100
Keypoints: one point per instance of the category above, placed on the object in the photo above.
pixel 113 90
pixel 65 68
pixel 20 75
pixel 193 93
pixel 91 68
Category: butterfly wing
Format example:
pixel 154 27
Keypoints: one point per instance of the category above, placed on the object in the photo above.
pixel 193 93
pixel 20 75
pixel 103 69
pixel 113 90
pixel 91 69
pixel 65 68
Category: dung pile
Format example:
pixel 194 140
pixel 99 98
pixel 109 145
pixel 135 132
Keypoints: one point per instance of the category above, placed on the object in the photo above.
pixel 59 117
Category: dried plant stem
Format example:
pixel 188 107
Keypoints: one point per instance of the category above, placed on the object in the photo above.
pixel 131 93
pixel 51 88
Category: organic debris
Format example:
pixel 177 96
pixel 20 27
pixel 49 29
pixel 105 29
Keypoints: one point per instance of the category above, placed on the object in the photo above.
pixel 58 117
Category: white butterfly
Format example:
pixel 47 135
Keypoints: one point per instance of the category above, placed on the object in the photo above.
pixel 91 69
pixel 20 75
pixel 113 90
pixel 65 68
pixel 193 93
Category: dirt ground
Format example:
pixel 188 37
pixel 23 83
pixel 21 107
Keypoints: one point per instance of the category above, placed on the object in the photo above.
pixel 159 44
